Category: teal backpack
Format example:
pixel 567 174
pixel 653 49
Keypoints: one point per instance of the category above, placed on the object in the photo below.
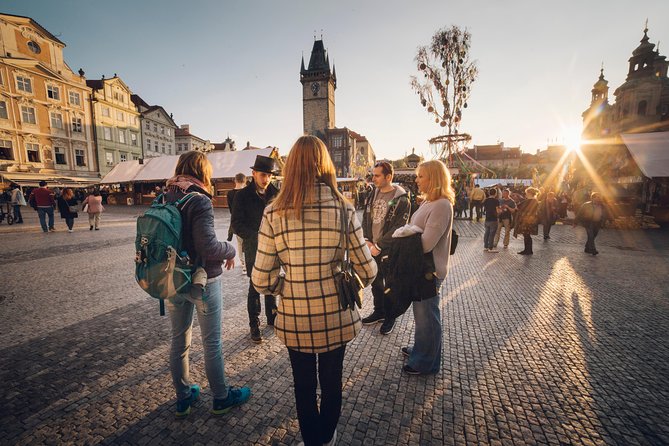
pixel 162 267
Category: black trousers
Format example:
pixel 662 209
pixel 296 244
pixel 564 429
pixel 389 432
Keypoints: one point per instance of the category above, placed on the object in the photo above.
pixel 527 238
pixel 317 425
pixel 592 229
pixel 382 302
pixel 250 249
pixel 478 205
pixel 69 221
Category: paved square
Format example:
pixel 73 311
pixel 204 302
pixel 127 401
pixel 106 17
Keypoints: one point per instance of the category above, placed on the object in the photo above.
pixel 557 348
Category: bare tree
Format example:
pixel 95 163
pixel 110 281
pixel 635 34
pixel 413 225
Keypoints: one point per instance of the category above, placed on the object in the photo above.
pixel 445 87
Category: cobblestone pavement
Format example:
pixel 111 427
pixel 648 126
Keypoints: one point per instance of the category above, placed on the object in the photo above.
pixel 558 348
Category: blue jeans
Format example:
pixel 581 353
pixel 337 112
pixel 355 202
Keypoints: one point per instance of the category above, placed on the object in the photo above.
pixel 209 308
pixel 42 212
pixel 425 354
pixel 489 235
pixel 18 218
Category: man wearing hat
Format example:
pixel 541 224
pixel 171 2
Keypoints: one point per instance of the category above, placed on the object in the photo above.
pixel 247 211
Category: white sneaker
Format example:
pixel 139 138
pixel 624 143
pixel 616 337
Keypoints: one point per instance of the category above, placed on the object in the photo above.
pixel 70 230
pixel 493 250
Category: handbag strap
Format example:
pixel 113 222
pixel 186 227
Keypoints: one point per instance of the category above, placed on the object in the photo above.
pixel 343 240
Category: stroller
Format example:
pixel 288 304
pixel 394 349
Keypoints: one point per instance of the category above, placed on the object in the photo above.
pixel 6 214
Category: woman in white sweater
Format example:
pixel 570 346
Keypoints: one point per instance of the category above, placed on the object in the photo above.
pixel 435 218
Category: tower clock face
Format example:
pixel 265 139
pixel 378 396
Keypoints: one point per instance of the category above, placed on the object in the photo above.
pixel 315 86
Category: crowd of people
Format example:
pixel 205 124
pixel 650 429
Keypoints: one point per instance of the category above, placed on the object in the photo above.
pixel 67 201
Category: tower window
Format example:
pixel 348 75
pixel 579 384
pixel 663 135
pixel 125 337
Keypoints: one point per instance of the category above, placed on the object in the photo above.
pixel 641 110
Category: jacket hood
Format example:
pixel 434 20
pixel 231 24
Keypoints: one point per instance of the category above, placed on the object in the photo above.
pixel 399 191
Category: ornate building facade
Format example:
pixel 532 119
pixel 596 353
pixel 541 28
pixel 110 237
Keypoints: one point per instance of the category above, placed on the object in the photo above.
pixel 116 122
pixel 641 102
pixel 157 129
pixel 45 120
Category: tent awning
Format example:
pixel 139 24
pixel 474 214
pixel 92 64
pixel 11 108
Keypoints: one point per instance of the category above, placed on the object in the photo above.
pixel 54 180
pixel 650 152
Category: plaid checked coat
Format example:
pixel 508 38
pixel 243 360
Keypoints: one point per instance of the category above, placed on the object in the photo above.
pixel 309 317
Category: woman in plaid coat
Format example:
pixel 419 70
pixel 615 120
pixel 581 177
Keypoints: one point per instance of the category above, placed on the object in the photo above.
pixel 300 236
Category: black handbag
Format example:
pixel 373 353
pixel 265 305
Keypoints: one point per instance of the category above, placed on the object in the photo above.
pixel 348 283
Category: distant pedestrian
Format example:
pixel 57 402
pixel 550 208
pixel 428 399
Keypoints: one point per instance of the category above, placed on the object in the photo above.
pixel 67 206
pixel 300 233
pixel 548 210
pixel 592 215
pixel 93 206
pixel 240 183
pixel 43 201
pixel 527 220
pixel 435 218
pixel 17 200
pixel 508 208
pixel 247 212
pixel 477 196
pixel 193 174
pixel 492 210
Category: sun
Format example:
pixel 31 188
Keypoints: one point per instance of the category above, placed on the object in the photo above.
pixel 572 139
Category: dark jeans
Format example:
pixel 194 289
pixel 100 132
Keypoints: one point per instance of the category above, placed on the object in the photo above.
pixel 592 229
pixel 69 221
pixel 250 247
pixel 547 229
pixel 43 212
pixel 18 218
pixel 317 426
pixel 527 238
pixel 489 234
pixel 478 205
pixel 382 302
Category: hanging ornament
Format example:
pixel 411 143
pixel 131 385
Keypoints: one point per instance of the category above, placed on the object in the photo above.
pixel 447 82
pixel 436 120
pixel 424 102
pixel 465 105
pixel 430 109
pixel 460 61
pixel 422 66
pixel 456 119
pixel 442 123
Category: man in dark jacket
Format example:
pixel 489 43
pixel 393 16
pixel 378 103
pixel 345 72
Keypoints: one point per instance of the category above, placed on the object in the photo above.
pixel 387 210
pixel 240 183
pixel 247 210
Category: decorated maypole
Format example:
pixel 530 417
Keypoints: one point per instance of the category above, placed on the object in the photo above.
pixel 445 85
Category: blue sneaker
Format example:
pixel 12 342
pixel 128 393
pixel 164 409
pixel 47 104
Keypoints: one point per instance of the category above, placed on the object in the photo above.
pixel 183 406
pixel 236 397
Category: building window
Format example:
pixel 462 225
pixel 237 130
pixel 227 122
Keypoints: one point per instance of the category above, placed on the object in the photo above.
pixel 109 157
pixel 641 110
pixel 119 96
pixel 124 157
pixel 80 158
pixel 106 112
pixel 75 98
pixel 148 143
pixel 133 139
pixel 119 116
pixel 337 140
pixel 107 133
pixel 33 152
pixel 337 157
pixel 34 47
pixel 162 130
pixel 155 146
pixel 147 125
pixel 24 84
pixel 56 120
pixel 53 92
pixel 135 157
pixel 169 132
pixel 28 115
pixel 3 110
pixel 121 136
pixel 60 155
pixel 6 152
pixel 76 125
pixel 155 127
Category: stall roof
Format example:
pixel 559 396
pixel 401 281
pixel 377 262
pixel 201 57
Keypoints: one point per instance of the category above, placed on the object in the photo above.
pixel 160 168
pixel 52 180
pixel 650 152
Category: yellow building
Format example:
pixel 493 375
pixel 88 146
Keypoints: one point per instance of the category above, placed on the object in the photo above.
pixel 45 124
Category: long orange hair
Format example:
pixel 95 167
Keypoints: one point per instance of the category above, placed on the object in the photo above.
pixel 308 162
pixel 195 164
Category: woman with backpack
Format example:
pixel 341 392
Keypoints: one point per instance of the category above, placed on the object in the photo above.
pixel 193 174
pixel 67 206
pixel 301 233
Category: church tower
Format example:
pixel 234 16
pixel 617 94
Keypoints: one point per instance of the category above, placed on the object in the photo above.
pixel 318 87
pixel 596 116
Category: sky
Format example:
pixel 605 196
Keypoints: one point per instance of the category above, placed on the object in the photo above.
pixel 231 68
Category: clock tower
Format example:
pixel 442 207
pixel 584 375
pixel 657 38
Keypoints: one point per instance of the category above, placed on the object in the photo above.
pixel 318 87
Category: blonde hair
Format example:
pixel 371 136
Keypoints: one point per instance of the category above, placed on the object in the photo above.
pixel 195 164
pixel 308 162
pixel 532 190
pixel 438 179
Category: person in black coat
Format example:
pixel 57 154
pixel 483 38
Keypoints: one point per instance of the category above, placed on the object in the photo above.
pixel 247 211
pixel 240 183
pixel 67 206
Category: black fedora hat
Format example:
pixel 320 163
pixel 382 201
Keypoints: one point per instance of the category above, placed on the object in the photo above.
pixel 264 164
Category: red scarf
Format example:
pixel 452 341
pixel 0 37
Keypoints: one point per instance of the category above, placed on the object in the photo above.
pixel 183 182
